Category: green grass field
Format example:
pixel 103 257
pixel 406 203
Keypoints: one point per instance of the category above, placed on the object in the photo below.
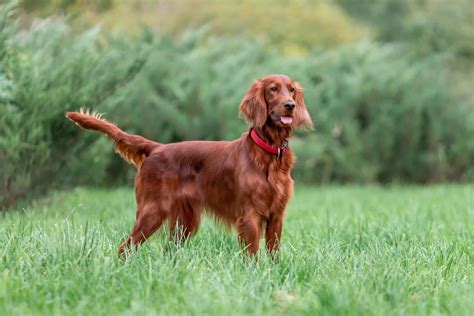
pixel 345 251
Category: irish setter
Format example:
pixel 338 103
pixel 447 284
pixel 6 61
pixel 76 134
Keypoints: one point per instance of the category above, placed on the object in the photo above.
pixel 246 182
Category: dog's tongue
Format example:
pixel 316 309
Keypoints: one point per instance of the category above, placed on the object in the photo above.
pixel 286 119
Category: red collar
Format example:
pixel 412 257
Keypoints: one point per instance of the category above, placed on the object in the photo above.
pixel 277 151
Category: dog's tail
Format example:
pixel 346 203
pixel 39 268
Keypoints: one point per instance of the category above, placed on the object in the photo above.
pixel 133 148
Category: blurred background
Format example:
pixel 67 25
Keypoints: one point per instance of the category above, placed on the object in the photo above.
pixel 389 84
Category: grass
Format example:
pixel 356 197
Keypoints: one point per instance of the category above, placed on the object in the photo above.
pixel 346 250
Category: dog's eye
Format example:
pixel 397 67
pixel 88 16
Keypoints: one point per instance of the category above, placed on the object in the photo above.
pixel 292 90
pixel 274 89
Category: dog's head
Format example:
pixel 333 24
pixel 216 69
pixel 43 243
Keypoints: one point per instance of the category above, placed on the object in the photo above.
pixel 276 100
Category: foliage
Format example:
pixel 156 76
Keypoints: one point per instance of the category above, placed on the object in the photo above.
pixel 345 251
pixel 428 26
pixel 294 26
pixel 51 7
pixel 43 72
pixel 384 116
pixel 290 26
pixel 381 114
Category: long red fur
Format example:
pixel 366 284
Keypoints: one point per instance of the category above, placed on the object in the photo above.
pixel 133 148
pixel 237 181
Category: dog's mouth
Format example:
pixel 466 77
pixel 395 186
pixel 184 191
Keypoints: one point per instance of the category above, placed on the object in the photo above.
pixel 284 119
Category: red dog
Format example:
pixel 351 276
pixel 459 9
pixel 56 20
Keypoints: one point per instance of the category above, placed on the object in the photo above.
pixel 245 182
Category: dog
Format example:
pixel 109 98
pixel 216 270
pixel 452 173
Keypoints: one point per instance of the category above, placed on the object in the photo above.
pixel 245 183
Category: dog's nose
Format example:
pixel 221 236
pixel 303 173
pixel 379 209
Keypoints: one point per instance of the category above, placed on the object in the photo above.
pixel 289 105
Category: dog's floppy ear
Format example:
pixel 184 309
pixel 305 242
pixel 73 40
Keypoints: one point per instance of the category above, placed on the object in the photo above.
pixel 301 116
pixel 253 106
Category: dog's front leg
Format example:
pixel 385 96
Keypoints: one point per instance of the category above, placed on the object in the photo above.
pixel 248 227
pixel 273 234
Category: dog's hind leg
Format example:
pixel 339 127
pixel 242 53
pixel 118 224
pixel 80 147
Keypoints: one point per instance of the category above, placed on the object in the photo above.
pixel 149 219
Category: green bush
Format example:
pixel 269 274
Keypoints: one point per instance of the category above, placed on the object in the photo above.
pixel 427 26
pixel 44 72
pixel 382 116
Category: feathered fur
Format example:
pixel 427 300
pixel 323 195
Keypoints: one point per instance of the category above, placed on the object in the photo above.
pixel 133 148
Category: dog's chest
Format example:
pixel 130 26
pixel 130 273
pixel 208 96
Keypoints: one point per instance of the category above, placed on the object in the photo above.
pixel 281 186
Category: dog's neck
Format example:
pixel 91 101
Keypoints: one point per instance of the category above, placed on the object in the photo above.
pixel 273 135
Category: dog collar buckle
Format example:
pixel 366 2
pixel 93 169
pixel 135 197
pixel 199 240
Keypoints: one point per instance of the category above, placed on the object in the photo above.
pixel 282 149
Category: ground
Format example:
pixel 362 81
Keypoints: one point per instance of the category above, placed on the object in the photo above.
pixel 346 250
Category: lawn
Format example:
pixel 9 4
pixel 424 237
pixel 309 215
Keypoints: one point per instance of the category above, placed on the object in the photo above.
pixel 346 250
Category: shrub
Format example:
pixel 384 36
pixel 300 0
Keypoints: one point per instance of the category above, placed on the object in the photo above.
pixel 427 26
pixel 382 116
pixel 43 72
